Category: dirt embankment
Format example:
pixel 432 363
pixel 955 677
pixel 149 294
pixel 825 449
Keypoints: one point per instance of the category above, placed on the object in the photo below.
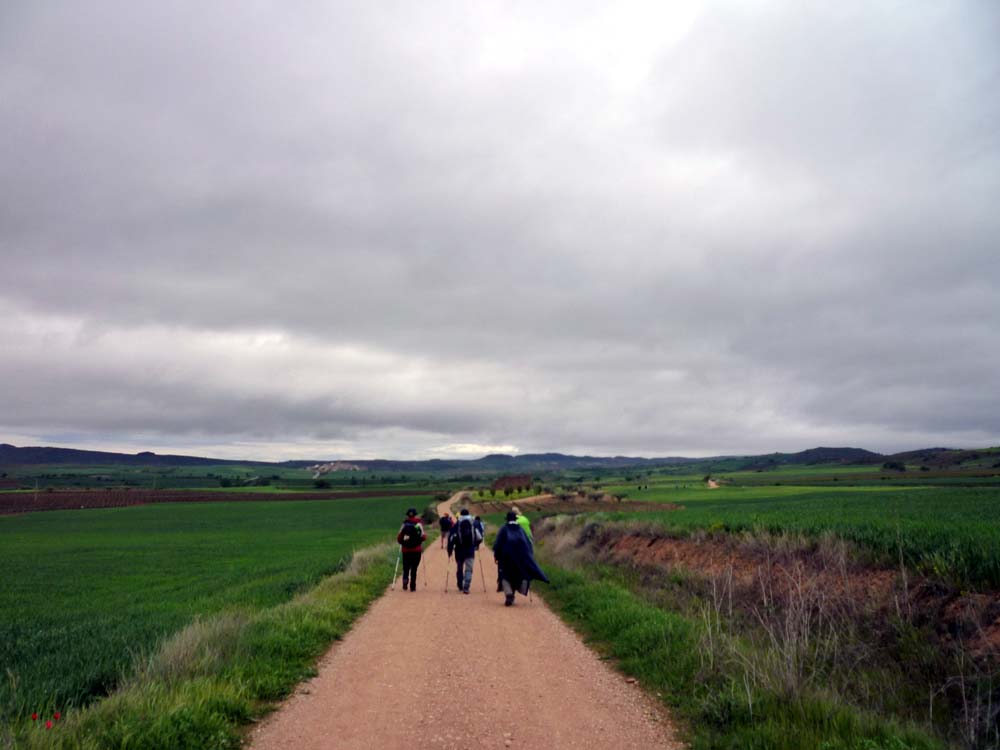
pixel 757 573
pixel 30 502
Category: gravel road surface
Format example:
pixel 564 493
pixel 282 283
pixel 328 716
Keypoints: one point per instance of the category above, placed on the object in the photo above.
pixel 431 669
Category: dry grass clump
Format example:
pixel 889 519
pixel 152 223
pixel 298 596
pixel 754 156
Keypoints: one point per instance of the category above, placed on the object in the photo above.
pixel 202 648
pixel 362 560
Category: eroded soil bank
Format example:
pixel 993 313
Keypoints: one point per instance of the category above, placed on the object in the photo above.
pixel 778 567
pixel 890 640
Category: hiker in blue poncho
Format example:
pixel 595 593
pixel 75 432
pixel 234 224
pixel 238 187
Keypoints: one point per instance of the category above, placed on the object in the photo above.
pixel 515 558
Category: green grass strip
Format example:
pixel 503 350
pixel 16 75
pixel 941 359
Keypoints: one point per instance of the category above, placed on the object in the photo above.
pixel 661 650
pixel 218 674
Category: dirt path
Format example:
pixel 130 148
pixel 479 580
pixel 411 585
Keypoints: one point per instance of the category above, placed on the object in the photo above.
pixel 445 670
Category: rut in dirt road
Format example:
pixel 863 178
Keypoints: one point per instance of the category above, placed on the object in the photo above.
pixel 447 670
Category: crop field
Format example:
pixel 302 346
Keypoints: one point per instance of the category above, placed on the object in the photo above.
pixel 84 593
pixel 952 532
pixel 225 476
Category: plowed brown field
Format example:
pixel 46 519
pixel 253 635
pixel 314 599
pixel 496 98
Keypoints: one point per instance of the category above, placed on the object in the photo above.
pixel 30 502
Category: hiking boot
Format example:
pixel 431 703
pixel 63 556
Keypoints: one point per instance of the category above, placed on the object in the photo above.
pixel 465 591
pixel 508 601
pixel 499 588
pixel 405 584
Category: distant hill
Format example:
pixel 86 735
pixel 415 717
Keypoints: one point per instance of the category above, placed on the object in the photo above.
pixel 939 458
pixel 531 463
pixel 494 463
pixel 13 456
pixel 815 456
pixel 502 463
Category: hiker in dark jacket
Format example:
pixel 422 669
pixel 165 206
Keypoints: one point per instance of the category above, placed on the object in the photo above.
pixel 445 522
pixel 516 560
pixel 463 541
pixel 411 538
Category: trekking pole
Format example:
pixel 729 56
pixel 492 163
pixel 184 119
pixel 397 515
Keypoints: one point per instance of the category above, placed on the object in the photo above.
pixel 482 574
pixel 447 573
pixel 396 570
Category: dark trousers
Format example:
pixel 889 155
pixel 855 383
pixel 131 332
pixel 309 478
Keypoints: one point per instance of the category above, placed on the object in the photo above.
pixel 411 561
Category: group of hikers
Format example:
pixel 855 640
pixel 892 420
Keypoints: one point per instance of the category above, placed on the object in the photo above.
pixel 513 551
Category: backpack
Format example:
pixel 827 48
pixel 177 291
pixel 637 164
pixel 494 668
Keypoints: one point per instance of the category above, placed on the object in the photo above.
pixel 468 536
pixel 409 535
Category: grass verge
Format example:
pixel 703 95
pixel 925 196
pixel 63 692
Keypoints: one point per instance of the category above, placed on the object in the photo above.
pixel 209 680
pixel 662 650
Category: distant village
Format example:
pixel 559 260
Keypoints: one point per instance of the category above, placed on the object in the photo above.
pixel 319 470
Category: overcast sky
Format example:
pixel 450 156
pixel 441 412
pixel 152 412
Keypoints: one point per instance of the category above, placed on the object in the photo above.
pixel 423 229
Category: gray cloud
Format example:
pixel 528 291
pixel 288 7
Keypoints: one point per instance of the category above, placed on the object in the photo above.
pixel 701 227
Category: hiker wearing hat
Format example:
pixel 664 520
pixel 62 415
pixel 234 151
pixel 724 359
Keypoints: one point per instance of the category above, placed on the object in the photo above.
pixel 515 559
pixel 411 538
pixel 445 522
pixel 463 541
pixel 524 522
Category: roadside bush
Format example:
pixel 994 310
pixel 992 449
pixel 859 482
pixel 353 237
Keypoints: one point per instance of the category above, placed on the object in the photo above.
pixel 663 650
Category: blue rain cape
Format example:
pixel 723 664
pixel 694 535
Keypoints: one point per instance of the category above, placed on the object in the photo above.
pixel 515 556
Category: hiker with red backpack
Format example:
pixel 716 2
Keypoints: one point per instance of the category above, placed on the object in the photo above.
pixel 463 541
pixel 411 538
